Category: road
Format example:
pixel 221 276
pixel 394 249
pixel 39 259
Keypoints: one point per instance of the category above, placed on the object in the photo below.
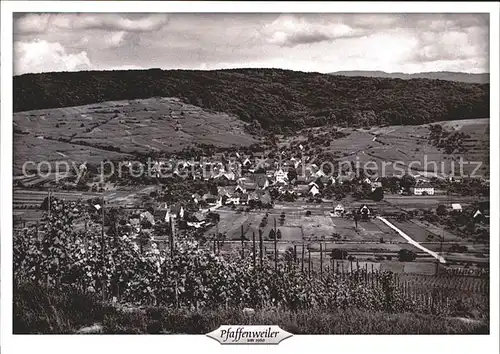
pixel 411 241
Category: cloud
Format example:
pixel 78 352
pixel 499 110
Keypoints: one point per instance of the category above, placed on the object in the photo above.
pixel 39 23
pixel 307 42
pixel 43 56
pixel 465 44
pixel 290 31
pixel 115 39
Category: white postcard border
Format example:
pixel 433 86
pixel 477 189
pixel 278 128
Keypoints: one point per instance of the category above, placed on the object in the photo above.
pixel 298 343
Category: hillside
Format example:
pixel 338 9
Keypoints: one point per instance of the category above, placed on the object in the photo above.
pixel 279 100
pixel 403 146
pixel 119 129
pixel 439 75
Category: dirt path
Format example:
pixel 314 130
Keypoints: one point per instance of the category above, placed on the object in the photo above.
pixel 411 241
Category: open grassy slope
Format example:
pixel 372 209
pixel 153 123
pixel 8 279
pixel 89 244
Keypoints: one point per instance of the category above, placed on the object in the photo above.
pixel 117 129
pixel 401 145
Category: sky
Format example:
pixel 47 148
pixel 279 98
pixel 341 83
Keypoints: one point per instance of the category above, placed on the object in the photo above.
pixel 323 43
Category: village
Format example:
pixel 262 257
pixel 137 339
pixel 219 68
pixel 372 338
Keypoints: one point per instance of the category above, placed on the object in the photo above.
pixel 294 203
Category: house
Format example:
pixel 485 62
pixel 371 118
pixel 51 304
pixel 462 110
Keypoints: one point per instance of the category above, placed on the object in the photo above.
pixel 377 183
pixel 253 196
pixel 147 216
pixel 339 210
pixel 266 199
pixel 225 176
pixel 196 198
pixel 177 211
pixel 135 224
pixel 319 183
pixel 314 190
pixel 262 182
pixel 302 189
pixel 367 181
pixel 196 220
pixel 422 188
pixel 239 190
pixel 331 180
pixel 313 183
pixel 481 214
pixel 250 186
pixel 234 200
pixel 221 178
pixel 319 173
pixel 223 191
pixel 83 167
pixel 210 198
pixel 312 168
pixel 341 179
pixel 246 184
pixel 364 211
pixel 244 198
pixel 280 176
pixel 455 180
pixel 301 180
pixel 162 213
pixel 456 207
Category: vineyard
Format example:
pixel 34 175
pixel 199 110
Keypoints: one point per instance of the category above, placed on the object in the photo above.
pixel 190 275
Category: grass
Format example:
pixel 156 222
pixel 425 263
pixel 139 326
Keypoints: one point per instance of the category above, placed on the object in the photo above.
pixel 39 310
pixel 109 131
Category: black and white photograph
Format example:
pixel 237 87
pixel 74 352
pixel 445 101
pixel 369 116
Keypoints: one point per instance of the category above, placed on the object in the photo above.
pixel 257 175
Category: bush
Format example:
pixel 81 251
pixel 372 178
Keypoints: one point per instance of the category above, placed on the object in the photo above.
pixel 339 254
pixel 441 210
pixel 378 194
pixel 405 255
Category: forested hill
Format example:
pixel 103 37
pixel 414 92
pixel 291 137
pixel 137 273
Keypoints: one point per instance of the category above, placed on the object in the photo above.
pixel 280 100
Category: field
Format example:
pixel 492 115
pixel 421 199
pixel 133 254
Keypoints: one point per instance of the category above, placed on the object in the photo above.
pixel 26 203
pixel 415 202
pixel 471 285
pixel 297 226
pixel 116 129
pixel 300 230
pixel 395 147
pixel 373 242
pixel 413 230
